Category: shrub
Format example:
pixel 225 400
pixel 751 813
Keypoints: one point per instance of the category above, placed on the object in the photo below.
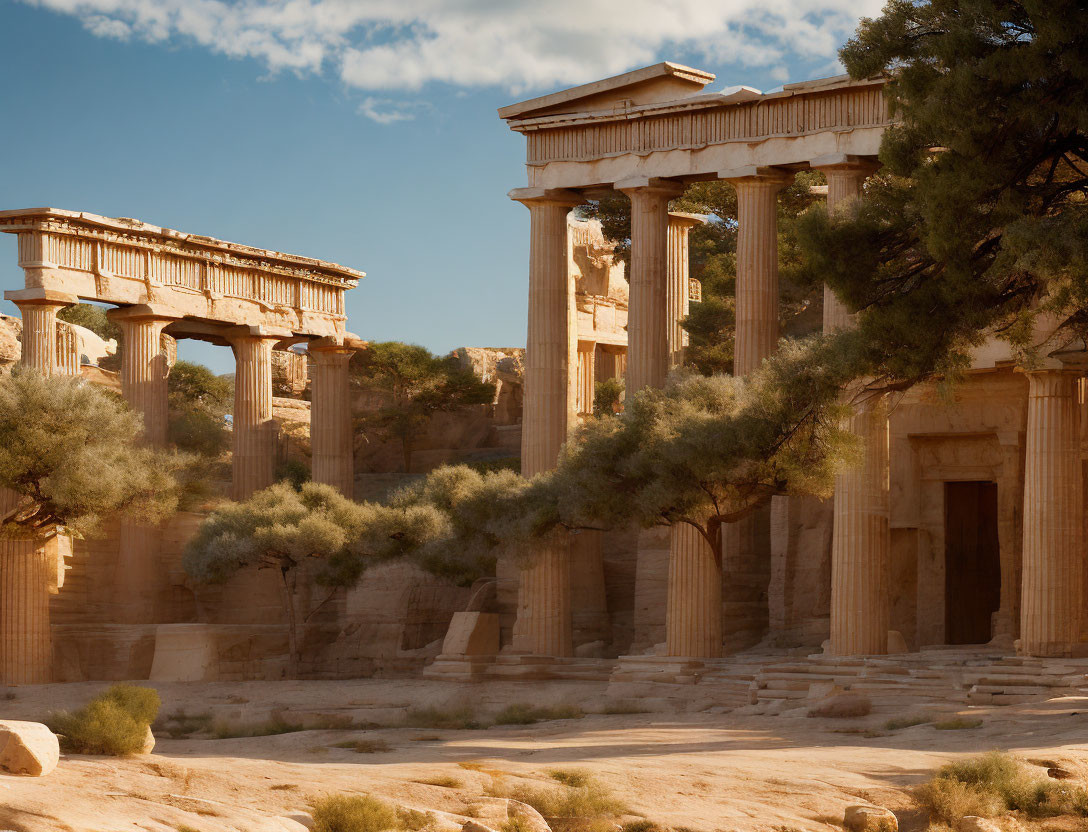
pixel 115 722
pixel 589 801
pixel 907 722
pixel 365 746
pixel 276 725
pixel 197 431
pixel 576 778
pixel 843 706
pixel 179 725
pixel 460 718
pixel 957 724
pixel 522 714
pixel 444 780
pixel 995 783
pixel 353 813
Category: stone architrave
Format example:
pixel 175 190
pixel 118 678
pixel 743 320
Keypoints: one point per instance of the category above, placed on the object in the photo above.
pixel 543 626
pixel 1051 585
pixel 330 416
pixel 253 426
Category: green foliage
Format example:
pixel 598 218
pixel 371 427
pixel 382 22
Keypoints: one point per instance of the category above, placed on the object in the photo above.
pixel 91 317
pixel 71 453
pixel 417 384
pixel 194 385
pixel 293 471
pixel 574 777
pixel 608 397
pixel 114 722
pixel 523 714
pixel 994 783
pixel 197 431
pixel 199 401
pixel 979 222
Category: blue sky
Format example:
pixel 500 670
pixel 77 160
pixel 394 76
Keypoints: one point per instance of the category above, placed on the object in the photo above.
pixel 358 131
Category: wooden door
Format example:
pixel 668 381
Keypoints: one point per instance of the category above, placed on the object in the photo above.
pixel 972 561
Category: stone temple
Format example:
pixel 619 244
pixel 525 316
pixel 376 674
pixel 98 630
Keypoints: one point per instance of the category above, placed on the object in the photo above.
pixel 957 543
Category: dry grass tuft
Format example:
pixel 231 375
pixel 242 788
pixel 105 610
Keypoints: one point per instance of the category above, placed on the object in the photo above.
pixel 907 722
pixel 843 706
pixel 373 746
pixel 623 707
pixel 114 722
pixel 958 723
pixel 587 802
pixel 995 783
pixel 363 813
pixel 268 728
pixel 452 719
pixel 445 781
pixel 522 714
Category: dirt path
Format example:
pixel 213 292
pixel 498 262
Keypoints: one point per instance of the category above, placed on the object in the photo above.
pixel 703 771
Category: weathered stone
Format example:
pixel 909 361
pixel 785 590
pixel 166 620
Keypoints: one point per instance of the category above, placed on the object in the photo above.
pixel 27 748
pixel 530 819
pixel 843 706
pixel 896 642
pixel 473 826
pixel 869 819
pixel 472 634
pixel 149 742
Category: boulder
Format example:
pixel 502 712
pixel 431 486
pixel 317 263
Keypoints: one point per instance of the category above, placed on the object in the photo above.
pixel 896 643
pixel 530 819
pixel 842 706
pixel 27 748
pixel 869 819
pixel 149 742
pixel 472 634
pixel 300 818
pixel 473 826
pixel 976 824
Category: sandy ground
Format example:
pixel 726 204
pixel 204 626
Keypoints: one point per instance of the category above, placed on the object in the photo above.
pixel 706 771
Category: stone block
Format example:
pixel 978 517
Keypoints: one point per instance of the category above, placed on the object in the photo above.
pixel 971 823
pixel 185 653
pixel 27 748
pixel 869 819
pixel 896 643
pixel 472 634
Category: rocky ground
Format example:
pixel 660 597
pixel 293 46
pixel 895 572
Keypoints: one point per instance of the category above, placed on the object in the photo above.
pixel 705 771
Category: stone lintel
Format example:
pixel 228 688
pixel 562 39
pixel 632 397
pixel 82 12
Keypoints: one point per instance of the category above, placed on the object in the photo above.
pixel 682 218
pixel 845 160
pixel 651 183
pixel 758 172
pixel 560 196
pixel 262 331
pixel 43 296
pixel 144 311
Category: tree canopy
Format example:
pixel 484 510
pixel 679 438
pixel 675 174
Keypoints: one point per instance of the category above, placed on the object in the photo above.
pixel 70 453
pixel 978 223
pixel 199 401
pixel 416 384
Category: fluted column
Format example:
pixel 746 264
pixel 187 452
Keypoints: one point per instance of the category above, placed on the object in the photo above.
pixel 144 368
pixel 693 613
pixel 757 264
pixel 1051 603
pixel 860 545
pixel 677 289
pixel 28 572
pixel 254 429
pixel 330 418
pixel 38 308
pixel 543 625
pixel 845 176
pixel 587 376
pixel 648 310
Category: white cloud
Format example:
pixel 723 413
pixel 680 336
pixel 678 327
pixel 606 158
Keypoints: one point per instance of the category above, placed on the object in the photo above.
pixel 517 45
pixel 388 110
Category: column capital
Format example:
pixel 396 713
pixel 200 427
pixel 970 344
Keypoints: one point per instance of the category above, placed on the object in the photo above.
pixel 144 312
pixel 652 185
pixel 846 162
pixel 546 196
pixel 40 297
pixel 758 174
pixel 681 219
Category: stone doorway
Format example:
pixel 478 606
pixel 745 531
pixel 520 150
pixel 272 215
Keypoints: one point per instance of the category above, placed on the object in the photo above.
pixel 972 561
